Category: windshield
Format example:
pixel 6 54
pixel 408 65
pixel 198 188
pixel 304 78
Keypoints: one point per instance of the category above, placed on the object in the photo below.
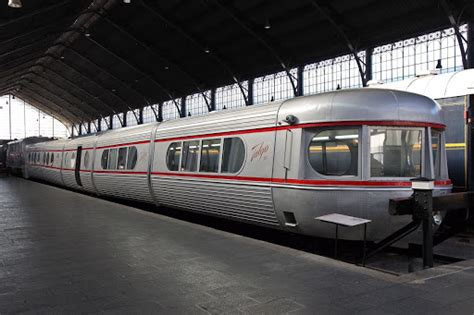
pixel 395 152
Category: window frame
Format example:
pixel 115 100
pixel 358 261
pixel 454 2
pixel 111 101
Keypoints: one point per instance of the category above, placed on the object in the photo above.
pixel 128 158
pixel 198 162
pixel 312 132
pixel 201 140
pixel 102 159
pixel 244 161
pixel 422 148
pixel 219 161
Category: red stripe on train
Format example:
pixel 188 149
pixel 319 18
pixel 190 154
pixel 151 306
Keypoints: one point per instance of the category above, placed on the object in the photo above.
pixel 309 125
pixel 310 182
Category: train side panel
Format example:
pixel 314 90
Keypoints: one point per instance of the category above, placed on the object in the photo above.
pixel 121 163
pixel 240 194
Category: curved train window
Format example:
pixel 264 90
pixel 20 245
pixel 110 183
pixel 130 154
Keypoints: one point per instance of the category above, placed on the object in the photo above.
pixel 104 160
pixel 132 158
pixel 173 155
pixel 112 163
pixel 86 159
pixel 190 156
pixel 395 152
pixel 233 155
pixel 335 152
pixel 210 153
pixel 122 158
pixel 73 160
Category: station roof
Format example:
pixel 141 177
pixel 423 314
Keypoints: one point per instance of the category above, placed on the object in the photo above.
pixel 80 60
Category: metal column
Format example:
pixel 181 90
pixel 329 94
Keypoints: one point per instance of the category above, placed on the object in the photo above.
pixel 183 107
pixel 368 64
pixel 299 73
pixel 250 92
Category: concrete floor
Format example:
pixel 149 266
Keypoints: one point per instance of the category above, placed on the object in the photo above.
pixel 61 251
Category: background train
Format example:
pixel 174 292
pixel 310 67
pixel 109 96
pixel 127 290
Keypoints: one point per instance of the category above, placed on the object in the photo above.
pixel 455 93
pixel 279 164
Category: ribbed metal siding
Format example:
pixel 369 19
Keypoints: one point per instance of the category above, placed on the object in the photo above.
pixel 69 179
pixel 87 182
pixel 51 175
pixel 243 202
pixel 133 187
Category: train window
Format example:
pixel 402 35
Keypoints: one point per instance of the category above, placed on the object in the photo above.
pixel 86 159
pixel 112 163
pixel 395 152
pixel 65 160
pixel 73 160
pixel 435 149
pixel 335 152
pixel 45 157
pixel 190 156
pixel 52 158
pixel 173 155
pixel 233 155
pixel 122 158
pixel 132 158
pixel 104 160
pixel 210 152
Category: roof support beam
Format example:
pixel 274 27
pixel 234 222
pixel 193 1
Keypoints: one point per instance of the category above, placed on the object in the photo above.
pixel 73 107
pixel 455 24
pixel 57 28
pixel 34 102
pixel 24 90
pixel 195 81
pixel 89 79
pixel 339 26
pixel 240 19
pixel 123 60
pixel 24 76
pixel 75 85
pixel 155 112
pixel 30 15
pixel 100 68
pixel 65 92
pixel 197 42
pixel 31 57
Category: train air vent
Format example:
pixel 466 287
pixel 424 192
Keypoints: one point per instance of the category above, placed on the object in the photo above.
pixel 290 219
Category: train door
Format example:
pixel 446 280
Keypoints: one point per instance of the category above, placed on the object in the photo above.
pixel 77 170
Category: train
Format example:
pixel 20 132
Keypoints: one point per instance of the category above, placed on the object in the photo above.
pixel 454 91
pixel 278 165
pixel 14 153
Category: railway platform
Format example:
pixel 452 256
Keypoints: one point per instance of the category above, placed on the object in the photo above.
pixel 62 251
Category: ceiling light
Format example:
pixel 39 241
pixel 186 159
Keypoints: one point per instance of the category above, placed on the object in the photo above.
pixel 87 34
pixel 267 25
pixel 127 1
pixel 207 50
pixel 15 4
pixel 166 67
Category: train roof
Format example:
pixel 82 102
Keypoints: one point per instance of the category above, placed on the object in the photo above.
pixel 436 86
pixel 363 104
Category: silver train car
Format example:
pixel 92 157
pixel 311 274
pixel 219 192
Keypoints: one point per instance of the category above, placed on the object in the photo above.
pixel 15 153
pixel 279 164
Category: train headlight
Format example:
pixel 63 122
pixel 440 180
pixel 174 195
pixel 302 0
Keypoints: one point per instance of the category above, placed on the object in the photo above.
pixel 437 219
